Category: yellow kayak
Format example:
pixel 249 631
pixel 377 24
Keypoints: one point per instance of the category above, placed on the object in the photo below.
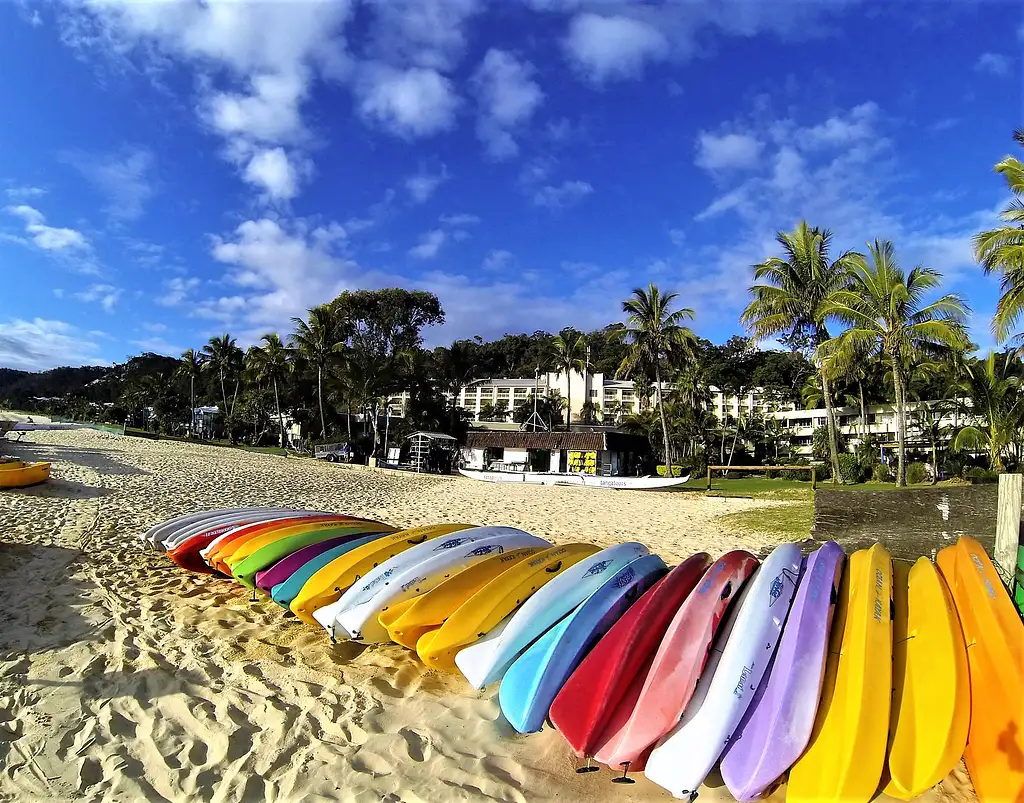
pixel 328 583
pixel 931 703
pixel 23 474
pixel 846 756
pixel 483 611
pixel 253 544
pixel 6 465
pixel 406 621
pixel 995 656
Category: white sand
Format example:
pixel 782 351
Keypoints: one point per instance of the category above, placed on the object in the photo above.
pixel 123 677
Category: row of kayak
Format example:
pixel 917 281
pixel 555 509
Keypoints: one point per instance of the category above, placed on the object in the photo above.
pixel 846 676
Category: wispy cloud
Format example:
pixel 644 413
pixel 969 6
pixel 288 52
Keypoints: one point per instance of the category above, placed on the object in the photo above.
pixel 429 245
pixel 562 196
pixel 122 178
pixel 507 95
pixel 40 344
pixel 24 193
pixel 176 290
pixel 48 238
pixel 106 295
pixel 993 63
pixel 422 185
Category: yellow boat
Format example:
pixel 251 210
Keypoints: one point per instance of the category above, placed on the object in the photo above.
pixel 219 558
pixel 931 703
pixel 253 544
pixel 9 464
pixel 328 583
pixel 995 656
pixel 483 611
pixel 846 755
pixel 21 475
pixel 406 621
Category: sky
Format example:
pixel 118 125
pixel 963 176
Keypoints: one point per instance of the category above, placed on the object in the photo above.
pixel 170 171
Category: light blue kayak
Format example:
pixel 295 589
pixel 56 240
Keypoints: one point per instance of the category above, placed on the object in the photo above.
pixel 284 593
pixel 533 680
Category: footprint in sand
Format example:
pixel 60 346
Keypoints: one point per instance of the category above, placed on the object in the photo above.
pixel 417 745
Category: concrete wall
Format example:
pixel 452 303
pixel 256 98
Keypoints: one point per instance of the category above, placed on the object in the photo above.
pixel 909 523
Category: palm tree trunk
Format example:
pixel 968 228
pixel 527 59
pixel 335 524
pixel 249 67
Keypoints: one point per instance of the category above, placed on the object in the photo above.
pixel 348 414
pixel 664 425
pixel 192 399
pixel 901 458
pixel 830 421
pixel 863 413
pixel 223 392
pixel 568 398
pixel 234 398
pixel 935 463
pixel 320 400
pixel 280 418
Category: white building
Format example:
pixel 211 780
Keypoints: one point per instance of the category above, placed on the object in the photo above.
pixel 616 398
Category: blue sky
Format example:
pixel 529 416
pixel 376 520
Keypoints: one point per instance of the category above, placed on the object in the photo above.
pixel 171 171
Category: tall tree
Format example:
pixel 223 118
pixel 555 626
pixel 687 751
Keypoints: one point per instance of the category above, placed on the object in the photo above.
pixel 568 354
pixel 190 367
pixel 887 316
pixel 1001 250
pixel 455 367
pixel 789 299
pixel 317 341
pixel 382 329
pixel 658 338
pixel 224 356
pixel 270 364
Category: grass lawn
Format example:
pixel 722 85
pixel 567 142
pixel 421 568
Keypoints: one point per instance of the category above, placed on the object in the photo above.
pixel 791 522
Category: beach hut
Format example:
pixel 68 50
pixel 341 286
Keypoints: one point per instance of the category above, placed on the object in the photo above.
pixel 431 452
pixel 600 453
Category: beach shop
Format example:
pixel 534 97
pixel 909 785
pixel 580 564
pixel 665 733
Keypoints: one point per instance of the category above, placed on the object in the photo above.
pixel 599 453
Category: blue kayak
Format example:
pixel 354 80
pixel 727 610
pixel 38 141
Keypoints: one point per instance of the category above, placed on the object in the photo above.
pixel 532 681
pixel 284 593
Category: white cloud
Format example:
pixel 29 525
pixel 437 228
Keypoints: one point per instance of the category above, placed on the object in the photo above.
pixel 497 259
pixel 58 292
pixel 562 196
pixel 157 345
pixel 155 327
pixel 993 63
pixel 727 151
pixel 677 236
pixel 429 245
pixel 40 344
pixel 409 103
pixel 122 178
pixel 176 290
pixel 613 47
pixel 273 51
pixel 49 238
pixel 459 220
pixel 24 193
pixel 841 130
pixel 424 184
pixel 275 174
pixel 424 33
pixel 507 96
pixel 106 295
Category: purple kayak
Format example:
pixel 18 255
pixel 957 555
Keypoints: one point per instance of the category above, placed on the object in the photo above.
pixel 777 727
pixel 288 565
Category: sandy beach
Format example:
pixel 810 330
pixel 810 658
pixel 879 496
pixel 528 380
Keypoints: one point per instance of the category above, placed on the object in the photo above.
pixel 123 677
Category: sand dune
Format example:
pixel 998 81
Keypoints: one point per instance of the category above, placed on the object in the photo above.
pixel 124 678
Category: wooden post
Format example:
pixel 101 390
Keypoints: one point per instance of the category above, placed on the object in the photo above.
pixel 709 477
pixel 814 479
pixel 1011 487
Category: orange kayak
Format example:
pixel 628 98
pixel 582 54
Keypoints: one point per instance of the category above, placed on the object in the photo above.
pixel 994 636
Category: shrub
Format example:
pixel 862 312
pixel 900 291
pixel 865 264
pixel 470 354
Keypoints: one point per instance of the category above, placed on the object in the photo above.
pixel 916 473
pixel 979 475
pixel 881 473
pixel 850 468
pixel 677 471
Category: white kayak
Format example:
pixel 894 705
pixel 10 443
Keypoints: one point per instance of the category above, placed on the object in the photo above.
pixel 155 534
pixel 367 585
pixel 485 661
pixel 359 621
pixel 224 523
pixel 174 534
pixel 738 659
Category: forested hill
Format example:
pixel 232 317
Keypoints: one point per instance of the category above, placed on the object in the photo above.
pixel 89 382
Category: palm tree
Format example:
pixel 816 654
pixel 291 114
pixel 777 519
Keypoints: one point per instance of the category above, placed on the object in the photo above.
pixel 789 298
pixel 1002 249
pixel 568 354
pixel 317 341
pixel 994 404
pixel 926 420
pixel 885 310
pixel 222 355
pixel 270 363
pixel 191 365
pixel 657 337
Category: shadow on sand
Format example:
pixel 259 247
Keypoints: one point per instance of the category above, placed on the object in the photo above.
pixel 99 460
pixel 40 603
pixel 64 489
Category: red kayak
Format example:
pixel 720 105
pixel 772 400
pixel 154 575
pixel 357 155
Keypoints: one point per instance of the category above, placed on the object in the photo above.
pixel 652 708
pixel 581 709
pixel 186 554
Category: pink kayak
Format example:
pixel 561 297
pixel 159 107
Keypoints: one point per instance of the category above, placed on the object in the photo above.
pixel 649 711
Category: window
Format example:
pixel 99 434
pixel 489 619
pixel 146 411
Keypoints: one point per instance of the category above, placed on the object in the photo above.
pixel 627 395
pixel 593 393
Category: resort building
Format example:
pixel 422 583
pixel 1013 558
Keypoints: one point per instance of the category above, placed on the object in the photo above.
pixel 614 399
